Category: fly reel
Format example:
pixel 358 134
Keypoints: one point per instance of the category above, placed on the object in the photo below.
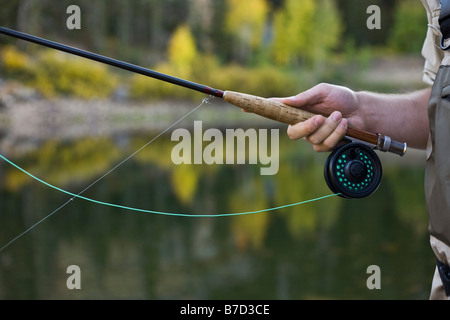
pixel 353 171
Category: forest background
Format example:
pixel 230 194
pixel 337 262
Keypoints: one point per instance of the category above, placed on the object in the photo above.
pixel 264 47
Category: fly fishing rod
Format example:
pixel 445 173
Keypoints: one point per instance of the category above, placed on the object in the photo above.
pixel 353 171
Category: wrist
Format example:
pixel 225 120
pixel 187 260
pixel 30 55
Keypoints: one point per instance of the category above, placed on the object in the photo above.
pixel 367 112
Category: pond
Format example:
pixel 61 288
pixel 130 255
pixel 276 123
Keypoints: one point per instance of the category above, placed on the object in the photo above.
pixel 318 250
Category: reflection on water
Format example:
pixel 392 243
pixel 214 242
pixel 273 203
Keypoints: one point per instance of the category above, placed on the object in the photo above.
pixel 317 250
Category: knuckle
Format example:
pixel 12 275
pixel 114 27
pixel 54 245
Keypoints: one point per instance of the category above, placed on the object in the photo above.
pixel 314 140
pixel 342 128
pixel 312 124
pixel 323 86
pixel 302 129
pixel 328 145
pixel 318 148
pixel 333 121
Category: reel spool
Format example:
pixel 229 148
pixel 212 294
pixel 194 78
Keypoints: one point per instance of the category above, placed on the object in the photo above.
pixel 353 171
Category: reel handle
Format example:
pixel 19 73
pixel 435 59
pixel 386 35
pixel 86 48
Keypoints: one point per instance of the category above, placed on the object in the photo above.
pixel 281 112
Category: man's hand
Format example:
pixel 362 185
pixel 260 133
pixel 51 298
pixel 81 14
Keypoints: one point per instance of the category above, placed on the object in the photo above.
pixel 403 117
pixel 339 104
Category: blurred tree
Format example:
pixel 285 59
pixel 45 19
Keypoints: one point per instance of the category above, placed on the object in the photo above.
pixel 355 17
pixel 201 19
pixel 293 27
pixel 184 180
pixel 275 4
pixel 328 28
pixel 305 31
pixel 182 51
pixel 97 17
pixel 246 21
pixel 410 27
pixel 26 20
pixel 145 26
pixel 125 22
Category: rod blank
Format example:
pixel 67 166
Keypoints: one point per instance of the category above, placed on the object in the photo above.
pixel 264 107
pixel 113 62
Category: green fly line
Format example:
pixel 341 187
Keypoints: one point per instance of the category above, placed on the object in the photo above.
pixel 128 208
pixel 73 195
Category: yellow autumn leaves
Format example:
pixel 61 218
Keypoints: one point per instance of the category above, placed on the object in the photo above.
pixel 53 73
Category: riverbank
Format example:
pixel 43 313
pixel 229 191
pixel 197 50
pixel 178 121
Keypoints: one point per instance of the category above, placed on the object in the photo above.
pixel 29 123
pixel 26 120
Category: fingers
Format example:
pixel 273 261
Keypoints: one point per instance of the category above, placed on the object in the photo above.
pixel 306 128
pixel 308 98
pixel 323 133
pixel 330 142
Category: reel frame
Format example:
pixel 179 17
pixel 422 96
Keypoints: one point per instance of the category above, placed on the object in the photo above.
pixel 353 171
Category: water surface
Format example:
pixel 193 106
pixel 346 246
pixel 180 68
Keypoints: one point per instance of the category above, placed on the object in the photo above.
pixel 319 250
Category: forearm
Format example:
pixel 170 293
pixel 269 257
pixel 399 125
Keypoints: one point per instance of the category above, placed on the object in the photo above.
pixel 403 117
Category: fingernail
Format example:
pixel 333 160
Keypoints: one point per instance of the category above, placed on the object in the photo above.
pixel 317 120
pixel 336 116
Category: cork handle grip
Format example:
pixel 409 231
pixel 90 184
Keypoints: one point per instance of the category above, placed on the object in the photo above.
pixel 281 112
pixel 267 108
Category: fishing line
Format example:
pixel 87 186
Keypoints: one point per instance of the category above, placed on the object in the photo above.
pixel 205 100
pixel 173 214
pixel 268 108
pixel 160 212
pixel 79 196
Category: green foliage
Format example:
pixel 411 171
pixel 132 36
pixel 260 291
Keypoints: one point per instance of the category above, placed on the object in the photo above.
pixel 305 30
pixel 232 29
pixel 183 59
pixel 185 62
pixel 266 81
pixel 328 28
pixel 249 231
pixel 58 73
pixel 270 47
pixel 293 25
pixel 54 73
pixel 409 29
pixel 182 51
pixel 145 88
pixel 86 158
pixel 184 180
pixel 14 63
pixel 245 21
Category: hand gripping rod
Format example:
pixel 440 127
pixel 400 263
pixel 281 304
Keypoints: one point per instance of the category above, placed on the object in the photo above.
pixel 267 108
pixel 278 111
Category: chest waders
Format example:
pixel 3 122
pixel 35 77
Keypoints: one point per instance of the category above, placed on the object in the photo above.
pixel 437 174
